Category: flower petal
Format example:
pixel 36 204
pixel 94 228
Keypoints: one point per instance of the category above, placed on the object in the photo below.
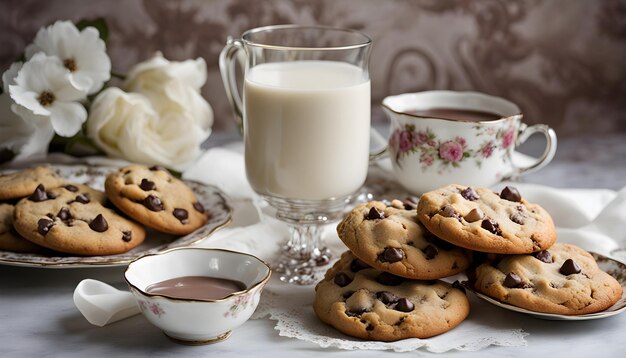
pixel 67 118
pixel 27 99
pixel 8 77
pixel 57 39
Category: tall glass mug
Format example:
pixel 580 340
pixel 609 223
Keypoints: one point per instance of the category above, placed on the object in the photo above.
pixel 305 118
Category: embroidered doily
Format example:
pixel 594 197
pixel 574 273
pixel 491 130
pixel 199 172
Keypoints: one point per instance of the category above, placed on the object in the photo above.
pixel 292 309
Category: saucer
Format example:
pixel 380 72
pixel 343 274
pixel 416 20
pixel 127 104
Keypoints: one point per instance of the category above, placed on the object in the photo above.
pixel 607 264
pixel 211 198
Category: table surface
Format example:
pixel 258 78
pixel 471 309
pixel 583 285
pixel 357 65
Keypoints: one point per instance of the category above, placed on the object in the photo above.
pixel 38 317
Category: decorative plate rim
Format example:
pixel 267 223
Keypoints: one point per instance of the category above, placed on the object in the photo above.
pixel 222 218
pixel 618 307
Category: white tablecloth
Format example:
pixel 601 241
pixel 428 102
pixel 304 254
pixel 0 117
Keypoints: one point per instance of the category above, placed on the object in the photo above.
pixel 39 319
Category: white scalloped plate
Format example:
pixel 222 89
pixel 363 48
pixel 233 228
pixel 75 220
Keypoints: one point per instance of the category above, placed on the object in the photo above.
pixel 607 264
pixel 213 199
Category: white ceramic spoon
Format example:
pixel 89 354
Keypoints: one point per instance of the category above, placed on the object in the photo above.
pixel 102 304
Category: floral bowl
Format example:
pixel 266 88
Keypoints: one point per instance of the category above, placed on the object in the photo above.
pixel 193 321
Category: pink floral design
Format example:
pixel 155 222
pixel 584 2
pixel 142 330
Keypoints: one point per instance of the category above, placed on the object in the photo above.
pixel 406 141
pixel 508 138
pixel 239 304
pixel 155 308
pixel 447 153
pixel 420 137
pixel 426 159
pixel 451 151
pixel 486 150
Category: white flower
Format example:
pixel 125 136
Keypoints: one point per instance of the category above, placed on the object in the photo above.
pixel 46 88
pixel 126 125
pixel 174 87
pixel 83 53
pixel 21 131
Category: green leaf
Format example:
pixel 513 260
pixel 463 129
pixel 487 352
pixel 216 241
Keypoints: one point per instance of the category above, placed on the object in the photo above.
pixel 99 24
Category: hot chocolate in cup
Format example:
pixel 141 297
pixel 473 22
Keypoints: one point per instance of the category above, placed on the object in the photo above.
pixel 444 137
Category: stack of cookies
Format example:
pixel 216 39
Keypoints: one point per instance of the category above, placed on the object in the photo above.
pixel 385 288
pixel 377 290
pixel 39 211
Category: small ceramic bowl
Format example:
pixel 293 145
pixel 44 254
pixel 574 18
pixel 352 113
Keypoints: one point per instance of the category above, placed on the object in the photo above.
pixel 197 321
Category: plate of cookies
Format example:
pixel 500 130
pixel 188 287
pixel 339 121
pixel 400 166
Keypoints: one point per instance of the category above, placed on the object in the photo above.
pixel 70 216
pixel 388 285
pixel 598 283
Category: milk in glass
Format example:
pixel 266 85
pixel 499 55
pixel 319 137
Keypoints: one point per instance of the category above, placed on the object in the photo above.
pixel 307 129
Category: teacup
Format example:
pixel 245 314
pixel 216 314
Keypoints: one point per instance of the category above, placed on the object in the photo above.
pixel 428 149
pixel 193 321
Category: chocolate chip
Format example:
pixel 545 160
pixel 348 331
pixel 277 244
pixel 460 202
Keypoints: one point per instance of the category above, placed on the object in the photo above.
pixel 386 297
pixel 181 214
pixel 44 225
pixel 391 255
pixel 543 256
pixel 342 280
pixel 375 214
pixel 39 194
pixel 64 214
pixel 157 167
pixel 99 224
pixel 474 215
pixel 127 236
pixel 81 198
pixel 199 208
pixel 512 280
pixel 51 195
pixel 153 203
pixel 511 194
pixel 357 265
pixel 518 218
pixel 404 305
pixel 147 185
pixel 50 215
pixel 356 312
pixel 469 194
pixel 448 212
pixel 457 284
pixel 430 251
pixel 491 226
pixel 569 267
pixel 410 203
pixel 347 294
pixel 72 188
pixel 389 279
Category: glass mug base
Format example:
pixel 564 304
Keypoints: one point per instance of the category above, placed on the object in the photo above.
pixel 304 257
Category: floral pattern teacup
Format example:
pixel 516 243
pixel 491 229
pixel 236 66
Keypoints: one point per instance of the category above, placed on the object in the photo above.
pixel 427 153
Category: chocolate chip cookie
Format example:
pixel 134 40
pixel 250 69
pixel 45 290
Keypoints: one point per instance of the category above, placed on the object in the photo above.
pixel 390 238
pixel 479 219
pixel 156 199
pixel 10 240
pixel 22 183
pixel 370 304
pixel 72 219
pixel 564 279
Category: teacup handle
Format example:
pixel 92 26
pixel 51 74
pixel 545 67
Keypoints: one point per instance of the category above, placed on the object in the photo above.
pixel 228 56
pixel 525 132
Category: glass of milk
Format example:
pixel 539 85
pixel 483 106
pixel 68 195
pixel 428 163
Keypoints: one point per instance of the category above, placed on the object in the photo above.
pixel 305 119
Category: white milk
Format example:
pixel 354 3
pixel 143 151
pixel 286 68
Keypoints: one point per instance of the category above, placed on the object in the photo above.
pixel 306 129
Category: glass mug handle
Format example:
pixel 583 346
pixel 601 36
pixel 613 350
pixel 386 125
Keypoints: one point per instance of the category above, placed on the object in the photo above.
pixel 228 56
pixel 525 132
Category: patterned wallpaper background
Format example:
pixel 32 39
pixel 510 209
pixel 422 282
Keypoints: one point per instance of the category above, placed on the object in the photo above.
pixel 562 61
